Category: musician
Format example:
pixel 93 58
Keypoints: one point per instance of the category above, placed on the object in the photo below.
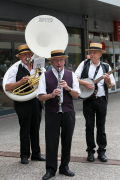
pixel 58 123
pixel 29 112
pixel 96 106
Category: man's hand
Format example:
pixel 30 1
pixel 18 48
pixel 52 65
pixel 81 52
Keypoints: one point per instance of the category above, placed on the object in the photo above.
pixel 64 85
pixel 106 77
pixel 24 79
pixel 12 86
pixel 56 92
pixel 88 85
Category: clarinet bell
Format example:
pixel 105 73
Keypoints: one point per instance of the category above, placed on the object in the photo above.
pixel 60 110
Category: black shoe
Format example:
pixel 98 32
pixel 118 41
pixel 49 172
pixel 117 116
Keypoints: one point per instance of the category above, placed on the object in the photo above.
pixel 102 157
pixel 90 157
pixel 24 161
pixel 38 158
pixel 48 175
pixel 67 173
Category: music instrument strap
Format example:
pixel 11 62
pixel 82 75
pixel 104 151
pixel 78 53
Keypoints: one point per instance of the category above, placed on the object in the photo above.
pixel 96 71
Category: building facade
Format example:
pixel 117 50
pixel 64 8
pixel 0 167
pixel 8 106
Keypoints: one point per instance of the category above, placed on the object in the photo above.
pixel 82 30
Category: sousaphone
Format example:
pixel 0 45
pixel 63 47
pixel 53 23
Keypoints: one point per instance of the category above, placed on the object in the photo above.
pixel 43 34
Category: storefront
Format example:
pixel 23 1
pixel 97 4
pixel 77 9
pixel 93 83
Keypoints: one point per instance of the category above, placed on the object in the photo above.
pixel 84 23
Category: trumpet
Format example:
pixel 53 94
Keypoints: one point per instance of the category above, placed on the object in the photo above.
pixel 60 95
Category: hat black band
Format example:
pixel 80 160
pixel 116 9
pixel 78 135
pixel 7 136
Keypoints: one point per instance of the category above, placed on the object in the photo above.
pixel 95 48
pixel 57 54
pixel 24 50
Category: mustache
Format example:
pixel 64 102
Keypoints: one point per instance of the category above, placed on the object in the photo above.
pixel 28 60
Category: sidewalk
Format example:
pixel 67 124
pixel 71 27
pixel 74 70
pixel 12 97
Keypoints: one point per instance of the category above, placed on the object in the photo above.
pixel 12 169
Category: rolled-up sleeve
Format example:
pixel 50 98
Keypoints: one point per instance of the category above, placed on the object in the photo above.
pixel 79 69
pixel 42 85
pixel 75 83
pixel 112 77
pixel 12 75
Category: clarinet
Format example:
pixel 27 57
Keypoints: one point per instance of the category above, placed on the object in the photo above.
pixel 60 95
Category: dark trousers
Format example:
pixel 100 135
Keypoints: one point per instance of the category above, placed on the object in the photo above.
pixel 56 124
pixel 91 109
pixel 29 115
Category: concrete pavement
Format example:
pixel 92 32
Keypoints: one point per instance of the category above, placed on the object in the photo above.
pixel 11 168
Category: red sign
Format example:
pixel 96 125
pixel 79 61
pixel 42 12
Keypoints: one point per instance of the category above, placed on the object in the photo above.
pixel 103 45
pixel 90 42
pixel 116 31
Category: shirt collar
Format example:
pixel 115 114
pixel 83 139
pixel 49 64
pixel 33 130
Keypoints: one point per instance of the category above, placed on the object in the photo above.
pixel 23 65
pixel 93 64
pixel 54 70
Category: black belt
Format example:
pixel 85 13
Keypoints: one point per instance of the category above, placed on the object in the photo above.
pixel 100 98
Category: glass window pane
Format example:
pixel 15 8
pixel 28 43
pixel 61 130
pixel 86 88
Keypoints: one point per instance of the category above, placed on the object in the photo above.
pixel 73 49
pixel 5 63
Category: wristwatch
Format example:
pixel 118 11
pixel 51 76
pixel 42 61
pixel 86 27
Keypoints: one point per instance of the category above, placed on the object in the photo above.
pixel 70 90
pixel 109 85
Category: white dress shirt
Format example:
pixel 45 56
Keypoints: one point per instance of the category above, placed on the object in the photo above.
pixel 42 83
pixel 92 69
pixel 13 72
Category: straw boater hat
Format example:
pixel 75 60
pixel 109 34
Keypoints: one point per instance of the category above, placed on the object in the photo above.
pixel 57 53
pixel 96 46
pixel 23 49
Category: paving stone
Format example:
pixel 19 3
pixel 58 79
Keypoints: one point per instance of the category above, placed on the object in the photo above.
pixel 12 169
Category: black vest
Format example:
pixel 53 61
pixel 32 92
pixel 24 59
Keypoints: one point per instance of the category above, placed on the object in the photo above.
pixel 85 71
pixel 22 71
